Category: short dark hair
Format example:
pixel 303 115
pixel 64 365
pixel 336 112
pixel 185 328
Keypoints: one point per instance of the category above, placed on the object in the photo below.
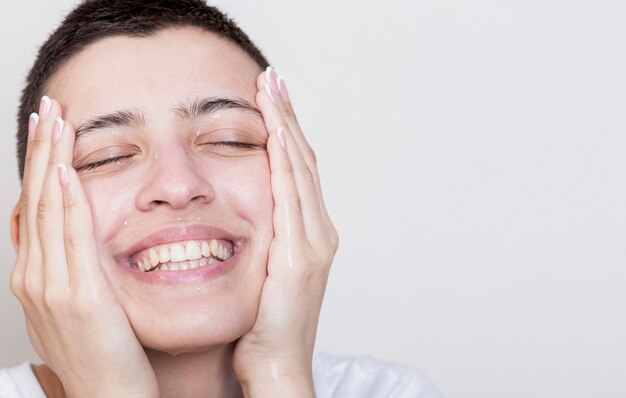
pixel 93 20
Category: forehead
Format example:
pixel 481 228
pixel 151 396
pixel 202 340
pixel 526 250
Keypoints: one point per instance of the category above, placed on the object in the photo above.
pixel 152 73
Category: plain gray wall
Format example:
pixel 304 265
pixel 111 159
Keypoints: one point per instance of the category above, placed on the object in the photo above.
pixel 473 156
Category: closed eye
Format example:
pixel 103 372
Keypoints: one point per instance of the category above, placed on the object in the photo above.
pixel 236 144
pixel 100 163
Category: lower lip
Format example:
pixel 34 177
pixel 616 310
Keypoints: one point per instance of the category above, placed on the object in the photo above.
pixel 190 276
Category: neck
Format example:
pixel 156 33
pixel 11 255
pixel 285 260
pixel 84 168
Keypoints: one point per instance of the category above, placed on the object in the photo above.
pixel 205 374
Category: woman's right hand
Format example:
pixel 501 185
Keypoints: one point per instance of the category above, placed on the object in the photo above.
pixel 75 322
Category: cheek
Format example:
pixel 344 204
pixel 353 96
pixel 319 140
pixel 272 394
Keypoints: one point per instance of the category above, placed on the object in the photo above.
pixel 248 184
pixel 106 201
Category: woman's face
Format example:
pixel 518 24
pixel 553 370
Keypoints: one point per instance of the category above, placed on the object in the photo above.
pixel 157 110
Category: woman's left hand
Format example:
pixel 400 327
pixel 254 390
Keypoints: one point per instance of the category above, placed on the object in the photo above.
pixel 275 357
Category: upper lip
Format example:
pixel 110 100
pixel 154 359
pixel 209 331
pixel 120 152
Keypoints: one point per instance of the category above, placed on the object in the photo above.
pixel 177 234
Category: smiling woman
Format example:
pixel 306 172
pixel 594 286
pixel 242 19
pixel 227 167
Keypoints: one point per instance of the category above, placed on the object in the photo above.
pixel 171 233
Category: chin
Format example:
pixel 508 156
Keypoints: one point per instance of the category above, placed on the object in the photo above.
pixel 192 327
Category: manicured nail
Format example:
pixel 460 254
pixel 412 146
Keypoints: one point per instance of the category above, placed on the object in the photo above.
pixel 268 72
pixel 270 78
pixel 268 90
pixel 58 130
pixel 44 107
pixel 281 137
pixel 33 121
pixel 62 169
pixel 282 89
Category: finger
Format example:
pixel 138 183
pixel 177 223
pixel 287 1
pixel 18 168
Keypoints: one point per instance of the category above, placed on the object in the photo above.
pixel 279 93
pixel 51 223
pixel 288 221
pixel 33 121
pixel 37 158
pixel 17 275
pixel 283 102
pixel 32 186
pixel 301 173
pixel 80 245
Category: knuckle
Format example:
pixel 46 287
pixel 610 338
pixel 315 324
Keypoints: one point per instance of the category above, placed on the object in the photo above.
pixel 36 144
pixel 308 174
pixel 296 204
pixel 310 153
pixel 72 238
pixel 69 201
pixel 28 156
pixel 43 208
pixel 17 284
pixel 286 111
pixel 26 201
pixel 25 195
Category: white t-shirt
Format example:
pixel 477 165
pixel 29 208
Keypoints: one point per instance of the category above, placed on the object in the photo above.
pixel 334 377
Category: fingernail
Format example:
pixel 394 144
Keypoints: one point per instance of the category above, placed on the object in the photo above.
pixel 44 107
pixel 58 130
pixel 282 89
pixel 281 137
pixel 268 90
pixel 62 170
pixel 270 78
pixel 33 121
pixel 268 72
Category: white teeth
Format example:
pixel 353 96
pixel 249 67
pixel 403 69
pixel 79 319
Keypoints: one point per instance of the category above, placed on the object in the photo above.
pixel 184 256
pixel 218 251
pixel 192 250
pixel 164 254
pixel 154 258
pixel 222 253
pixel 214 246
pixel 177 253
pixel 206 250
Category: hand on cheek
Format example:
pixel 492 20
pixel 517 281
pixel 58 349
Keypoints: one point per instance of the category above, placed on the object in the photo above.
pixel 275 356
pixel 74 320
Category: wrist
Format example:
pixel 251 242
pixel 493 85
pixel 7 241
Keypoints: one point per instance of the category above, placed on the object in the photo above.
pixel 279 386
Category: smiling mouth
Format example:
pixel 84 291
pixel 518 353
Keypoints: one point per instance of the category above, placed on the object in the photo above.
pixel 182 256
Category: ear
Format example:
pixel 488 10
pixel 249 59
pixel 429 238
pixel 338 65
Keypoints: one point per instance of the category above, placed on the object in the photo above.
pixel 15 226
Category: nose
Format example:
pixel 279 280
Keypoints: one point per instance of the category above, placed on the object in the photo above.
pixel 173 180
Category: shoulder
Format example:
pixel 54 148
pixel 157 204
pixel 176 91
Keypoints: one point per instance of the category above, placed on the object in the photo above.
pixel 18 382
pixel 366 377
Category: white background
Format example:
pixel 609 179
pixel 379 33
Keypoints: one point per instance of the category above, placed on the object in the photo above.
pixel 472 154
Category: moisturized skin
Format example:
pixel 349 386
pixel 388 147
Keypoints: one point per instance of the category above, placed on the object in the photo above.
pixel 189 163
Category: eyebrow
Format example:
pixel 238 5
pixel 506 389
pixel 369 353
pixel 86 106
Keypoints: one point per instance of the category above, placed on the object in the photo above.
pixel 189 110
